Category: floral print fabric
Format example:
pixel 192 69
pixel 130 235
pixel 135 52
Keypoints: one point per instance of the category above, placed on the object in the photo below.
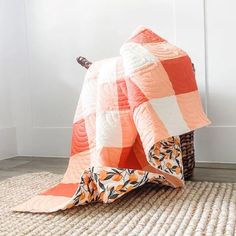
pixel 107 184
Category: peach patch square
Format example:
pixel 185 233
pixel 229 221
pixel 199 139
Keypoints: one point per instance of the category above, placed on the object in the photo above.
pixel 122 94
pixel 90 124
pixel 77 164
pixel 79 138
pixel 195 118
pixel 109 156
pixel 153 81
pixel 136 96
pixel 165 50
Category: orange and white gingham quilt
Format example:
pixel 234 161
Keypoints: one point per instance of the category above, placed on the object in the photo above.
pixel 131 104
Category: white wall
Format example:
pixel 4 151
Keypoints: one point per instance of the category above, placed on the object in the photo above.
pixel 216 143
pixel 57 37
pixel 8 147
pixel 55 32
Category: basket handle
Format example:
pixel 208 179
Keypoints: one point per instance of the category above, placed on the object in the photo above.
pixel 84 62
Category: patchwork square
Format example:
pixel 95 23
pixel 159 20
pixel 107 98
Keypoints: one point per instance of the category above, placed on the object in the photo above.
pixel 136 96
pixel 90 125
pixel 181 74
pixel 135 57
pixel 164 50
pixel 150 127
pixel 108 129
pixel 128 159
pixel 88 97
pixel 153 81
pixel 129 131
pixel 143 35
pixel 107 72
pixel 122 94
pixel 105 91
pixel 193 117
pixel 108 156
pixel 79 138
pixel 168 110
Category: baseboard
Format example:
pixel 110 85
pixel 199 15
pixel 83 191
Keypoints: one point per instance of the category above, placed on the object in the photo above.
pixel 215 144
pixel 216 165
pixel 41 156
pixel 50 142
pixel 8 146
pixel 199 164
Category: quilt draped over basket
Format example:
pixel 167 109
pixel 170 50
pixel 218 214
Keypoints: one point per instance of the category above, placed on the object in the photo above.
pixel 131 111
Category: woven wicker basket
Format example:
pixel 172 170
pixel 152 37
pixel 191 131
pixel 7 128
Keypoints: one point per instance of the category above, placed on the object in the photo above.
pixel 186 140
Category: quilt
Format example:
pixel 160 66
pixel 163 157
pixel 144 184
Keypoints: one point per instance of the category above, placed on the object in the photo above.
pixel 131 111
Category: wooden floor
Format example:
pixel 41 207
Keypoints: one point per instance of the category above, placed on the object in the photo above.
pixel 21 165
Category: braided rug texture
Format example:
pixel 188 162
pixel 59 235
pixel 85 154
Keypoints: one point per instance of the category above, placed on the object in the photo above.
pixel 200 208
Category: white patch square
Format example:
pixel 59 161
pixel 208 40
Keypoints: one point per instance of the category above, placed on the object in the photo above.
pixel 107 73
pixel 168 111
pixel 88 97
pixel 108 129
pixel 135 56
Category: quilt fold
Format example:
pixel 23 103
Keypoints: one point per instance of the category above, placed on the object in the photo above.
pixel 131 111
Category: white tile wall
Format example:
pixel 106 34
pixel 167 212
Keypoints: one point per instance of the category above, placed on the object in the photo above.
pixel 53 33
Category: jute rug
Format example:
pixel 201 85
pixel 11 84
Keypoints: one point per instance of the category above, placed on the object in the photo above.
pixel 201 208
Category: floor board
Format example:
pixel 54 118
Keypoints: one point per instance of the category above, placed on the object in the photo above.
pixel 20 165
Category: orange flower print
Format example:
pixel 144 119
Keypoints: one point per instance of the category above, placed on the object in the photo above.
pixel 119 187
pixel 167 156
pixel 175 152
pixel 109 184
pixel 103 175
pixel 104 197
pixel 133 177
pixel 94 186
pixel 168 165
pixel 117 177
pixel 70 206
pixel 177 170
pixel 130 188
pixel 140 172
pixel 158 162
pixel 86 179
pixel 157 151
pixel 82 197
pixel 101 195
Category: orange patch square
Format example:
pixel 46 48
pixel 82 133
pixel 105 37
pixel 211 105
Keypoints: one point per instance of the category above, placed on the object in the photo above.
pixel 195 118
pixel 61 189
pixel 181 74
pixel 136 96
pixel 79 138
pixel 129 131
pixel 128 159
pixel 139 153
pixel 146 36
